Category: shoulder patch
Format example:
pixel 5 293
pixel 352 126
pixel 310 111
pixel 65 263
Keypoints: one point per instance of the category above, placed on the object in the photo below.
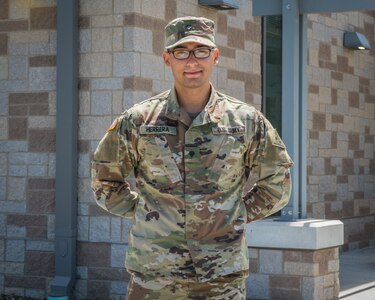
pixel 113 125
pixel 276 140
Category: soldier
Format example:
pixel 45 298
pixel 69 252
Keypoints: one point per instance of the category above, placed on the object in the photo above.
pixel 191 149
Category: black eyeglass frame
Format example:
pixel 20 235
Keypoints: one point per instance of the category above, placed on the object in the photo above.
pixel 191 51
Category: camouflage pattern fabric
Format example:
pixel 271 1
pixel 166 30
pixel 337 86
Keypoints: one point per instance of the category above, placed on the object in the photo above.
pixel 189 29
pixel 229 287
pixel 189 214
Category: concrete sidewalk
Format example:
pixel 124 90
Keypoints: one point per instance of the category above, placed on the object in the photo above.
pixel 357 274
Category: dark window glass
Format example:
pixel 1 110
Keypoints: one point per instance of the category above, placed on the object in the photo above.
pixel 272 45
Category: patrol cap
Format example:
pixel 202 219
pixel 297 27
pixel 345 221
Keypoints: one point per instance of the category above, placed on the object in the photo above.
pixel 189 29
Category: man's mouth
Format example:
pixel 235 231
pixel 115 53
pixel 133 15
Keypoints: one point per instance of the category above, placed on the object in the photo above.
pixel 193 74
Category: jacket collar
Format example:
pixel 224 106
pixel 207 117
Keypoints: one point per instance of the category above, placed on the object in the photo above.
pixel 211 113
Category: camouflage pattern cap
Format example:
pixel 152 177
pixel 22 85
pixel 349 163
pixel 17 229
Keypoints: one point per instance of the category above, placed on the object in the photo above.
pixel 189 29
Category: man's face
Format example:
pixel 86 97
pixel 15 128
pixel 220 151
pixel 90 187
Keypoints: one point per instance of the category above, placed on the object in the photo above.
pixel 191 72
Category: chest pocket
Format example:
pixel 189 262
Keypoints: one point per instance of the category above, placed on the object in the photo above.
pixel 158 164
pixel 228 164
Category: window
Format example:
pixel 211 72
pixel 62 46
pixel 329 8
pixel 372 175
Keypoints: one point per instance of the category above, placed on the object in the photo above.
pixel 272 59
pixel 272 85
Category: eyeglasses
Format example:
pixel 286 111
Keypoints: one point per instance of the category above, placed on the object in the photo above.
pixel 199 53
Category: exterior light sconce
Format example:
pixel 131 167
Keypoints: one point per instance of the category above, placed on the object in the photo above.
pixel 356 41
pixel 220 4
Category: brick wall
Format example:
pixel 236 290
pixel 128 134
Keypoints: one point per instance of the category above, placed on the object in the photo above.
pixel 341 129
pixel 27 145
pixel 293 274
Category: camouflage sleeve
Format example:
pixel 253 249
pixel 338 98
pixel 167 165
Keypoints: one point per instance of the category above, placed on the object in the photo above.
pixel 113 160
pixel 267 159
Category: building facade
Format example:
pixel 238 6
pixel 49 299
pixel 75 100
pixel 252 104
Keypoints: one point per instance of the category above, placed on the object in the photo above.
pixel 120 47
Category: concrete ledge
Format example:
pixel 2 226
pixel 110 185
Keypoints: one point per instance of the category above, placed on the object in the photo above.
pixel 308 234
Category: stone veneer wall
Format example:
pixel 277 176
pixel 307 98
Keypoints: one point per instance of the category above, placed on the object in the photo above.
pixel 341 125
pixel 27 145
pixel 293 274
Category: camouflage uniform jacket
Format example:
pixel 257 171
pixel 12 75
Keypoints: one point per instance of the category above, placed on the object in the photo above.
pixel 189 213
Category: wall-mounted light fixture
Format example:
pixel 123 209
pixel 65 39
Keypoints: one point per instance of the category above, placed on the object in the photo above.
pixel 356 40
pixel 220 4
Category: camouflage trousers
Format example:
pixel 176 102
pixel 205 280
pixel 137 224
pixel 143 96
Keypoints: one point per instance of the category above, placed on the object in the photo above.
pixel 229 287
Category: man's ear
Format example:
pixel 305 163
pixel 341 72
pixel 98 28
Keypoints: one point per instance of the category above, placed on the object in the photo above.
pixel 166 59
pixel 216 56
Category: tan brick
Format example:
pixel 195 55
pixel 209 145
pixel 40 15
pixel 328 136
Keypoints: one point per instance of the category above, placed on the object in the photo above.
pixel 285 294
pixel 236 38
pixel 43 18
pixel 42 61
pixel 95 65
pixel 138 83
pixel 28 282
pixel 27 220
pixel 42 140
pixel 96 7
pixel 84 22
pixel 4 63
pixel 101 40
pixel 253 31
pixel 170 10
pixel 3 44
pixel 41 202
pixel 285 282
pixel 301 268
pixel 14 25
pixel 4 11
pixel 39 263
pixel 29 37
pixel 93 254
pixel 17 128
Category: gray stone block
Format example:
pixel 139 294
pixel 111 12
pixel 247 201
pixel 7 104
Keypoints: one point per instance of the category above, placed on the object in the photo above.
pixel 13 146
pixel 270 261
pixel 101 103
pixel 118 252
pixel 137 39
pixel 16 188
pixel 43 78
pixel 116 230
pixel 15 251
pixel 84 40
pixel 312 288
pixel 34 293
pixel 119 288
pixel 18 171
pixel 257 286
pixel 51 227
pixel 3 188
pixel 14 85
pixel 83 165
pixel 82 272
pixel 16 231
pixel 126 64
pixel 18 67
pixel 4 104
pixel 14 268
pixel 40 245
pixel 12 207
pixel 99 230
pixel 107 84
pixel 83 228
pixel 37 171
